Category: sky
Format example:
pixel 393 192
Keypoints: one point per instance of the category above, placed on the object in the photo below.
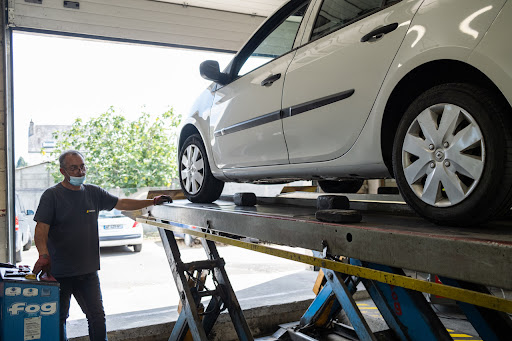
pixel 57 79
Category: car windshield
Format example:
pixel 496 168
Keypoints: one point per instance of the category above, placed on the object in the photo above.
pixel 111 214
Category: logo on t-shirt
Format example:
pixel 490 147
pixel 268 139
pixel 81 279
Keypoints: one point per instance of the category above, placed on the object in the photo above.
pixel 90 211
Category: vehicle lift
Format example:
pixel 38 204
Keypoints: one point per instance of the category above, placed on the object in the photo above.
pixel 374 252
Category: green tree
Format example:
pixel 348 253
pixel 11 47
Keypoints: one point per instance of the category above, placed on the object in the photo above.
pixel 121 153
pixel 21 162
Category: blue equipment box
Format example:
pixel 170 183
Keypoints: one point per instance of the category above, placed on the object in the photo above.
pixel 29 308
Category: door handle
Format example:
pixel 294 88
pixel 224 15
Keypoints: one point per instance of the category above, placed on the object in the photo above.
pixel 270 79
pixel 379 32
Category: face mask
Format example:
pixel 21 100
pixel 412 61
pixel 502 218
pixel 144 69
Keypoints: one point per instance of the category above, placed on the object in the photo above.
pixel 76 180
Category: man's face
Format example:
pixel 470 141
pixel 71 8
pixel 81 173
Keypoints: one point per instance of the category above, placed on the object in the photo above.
pixel 74 165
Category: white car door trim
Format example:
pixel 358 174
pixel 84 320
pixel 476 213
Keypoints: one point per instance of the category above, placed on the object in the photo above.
pixel 284 113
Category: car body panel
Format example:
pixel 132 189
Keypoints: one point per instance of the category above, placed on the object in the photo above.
pixel 443 41
pixel 17 245
pixel 498 66
pixel 115 229
pixel 199 119
pixel 247 111
pixel 440 30
pixel 340 62
pixel 24 221
pixel 245 105
pixel 419 48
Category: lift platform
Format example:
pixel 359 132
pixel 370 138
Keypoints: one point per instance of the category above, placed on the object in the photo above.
pixel 376 251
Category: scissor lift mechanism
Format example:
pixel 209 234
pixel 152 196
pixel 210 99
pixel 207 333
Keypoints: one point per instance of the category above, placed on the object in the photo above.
pixel 467 260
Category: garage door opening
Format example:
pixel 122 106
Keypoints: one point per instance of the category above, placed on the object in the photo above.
pixel 58 80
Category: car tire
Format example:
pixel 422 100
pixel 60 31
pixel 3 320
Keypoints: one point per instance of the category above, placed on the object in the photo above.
pixel 137 247
pixel 452 155
pixel 342 186
pixel 196 180
pixel 28 245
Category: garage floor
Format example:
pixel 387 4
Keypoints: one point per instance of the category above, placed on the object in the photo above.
pixel 138 288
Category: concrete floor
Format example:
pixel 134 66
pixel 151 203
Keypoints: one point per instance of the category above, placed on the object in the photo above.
pixel 138 290
pixel 139 287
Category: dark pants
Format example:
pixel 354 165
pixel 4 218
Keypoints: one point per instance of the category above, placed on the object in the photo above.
pixel 87 292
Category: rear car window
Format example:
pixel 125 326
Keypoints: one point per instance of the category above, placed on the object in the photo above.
pixel 335 14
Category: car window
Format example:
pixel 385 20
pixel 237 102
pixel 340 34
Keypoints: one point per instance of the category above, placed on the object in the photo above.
pixel 111 214
pixel 277 43
pixel 334 14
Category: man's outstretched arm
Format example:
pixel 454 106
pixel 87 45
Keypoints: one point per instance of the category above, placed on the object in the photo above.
pixel 136 204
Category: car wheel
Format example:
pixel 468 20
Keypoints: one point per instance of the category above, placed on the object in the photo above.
pixel 28 245
pixel 452 155
pixel 196 179
pixel 342 186
pixel 137 247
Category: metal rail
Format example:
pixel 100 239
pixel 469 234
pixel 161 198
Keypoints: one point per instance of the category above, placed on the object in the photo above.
pixel 479 255
pixel 463 295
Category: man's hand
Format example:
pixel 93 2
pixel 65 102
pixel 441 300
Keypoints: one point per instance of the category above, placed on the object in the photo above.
pixel 44 264
pixel 159 200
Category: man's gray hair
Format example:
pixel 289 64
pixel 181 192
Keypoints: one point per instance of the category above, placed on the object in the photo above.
pixel 62 156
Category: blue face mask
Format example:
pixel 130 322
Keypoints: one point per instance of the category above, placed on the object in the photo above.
pixel 76 180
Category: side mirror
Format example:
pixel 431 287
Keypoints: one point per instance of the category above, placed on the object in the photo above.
pixel 210 70
pixel 30 212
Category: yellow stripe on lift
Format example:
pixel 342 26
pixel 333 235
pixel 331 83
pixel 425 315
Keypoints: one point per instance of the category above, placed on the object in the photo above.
pixel 460 335
pixel 458 294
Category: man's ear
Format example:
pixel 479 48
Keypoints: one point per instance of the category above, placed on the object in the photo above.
pixel 62 172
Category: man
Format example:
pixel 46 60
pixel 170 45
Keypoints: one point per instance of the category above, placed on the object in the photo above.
pixel 66 237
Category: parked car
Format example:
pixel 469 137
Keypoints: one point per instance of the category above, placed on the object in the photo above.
pixel 23 221
pixel 17 242
pixel 115 229
pixel 188 239
pixel 338 90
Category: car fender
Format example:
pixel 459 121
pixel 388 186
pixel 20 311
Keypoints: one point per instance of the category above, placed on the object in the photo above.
pixel 421 46
pixel 498 65
pixel 442 41
pixel 199 119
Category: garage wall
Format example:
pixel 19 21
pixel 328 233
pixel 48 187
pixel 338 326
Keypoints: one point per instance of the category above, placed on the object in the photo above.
pixel 138 20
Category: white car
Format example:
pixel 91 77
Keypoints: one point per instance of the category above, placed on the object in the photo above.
pixel 337 90
pixel 116 229
pixel 24 219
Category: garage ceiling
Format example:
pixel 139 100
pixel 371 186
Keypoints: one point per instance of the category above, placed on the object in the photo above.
pixel 221 25
pixel 255 7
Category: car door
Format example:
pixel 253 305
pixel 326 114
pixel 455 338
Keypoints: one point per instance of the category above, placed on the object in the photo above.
pixel 245 116
pixel 333 81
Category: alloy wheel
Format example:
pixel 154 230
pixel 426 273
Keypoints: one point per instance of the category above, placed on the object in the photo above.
pixel 443 155
pixel 192 169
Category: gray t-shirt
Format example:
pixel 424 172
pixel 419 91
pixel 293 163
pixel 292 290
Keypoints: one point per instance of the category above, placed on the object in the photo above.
pixel 73 240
